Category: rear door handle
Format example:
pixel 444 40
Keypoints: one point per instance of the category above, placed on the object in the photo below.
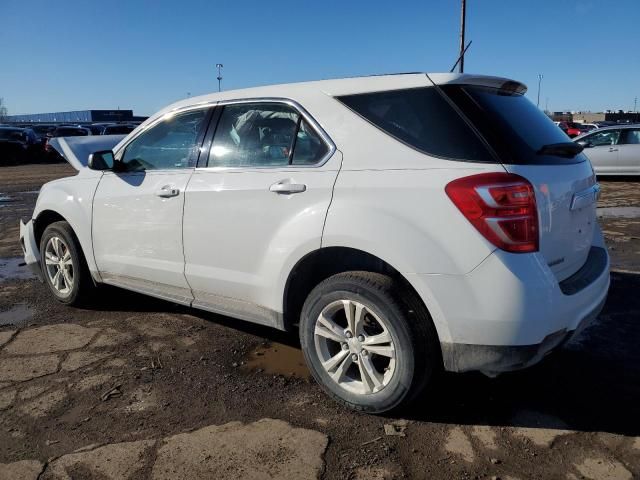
pixel 286 187
pixel 168 191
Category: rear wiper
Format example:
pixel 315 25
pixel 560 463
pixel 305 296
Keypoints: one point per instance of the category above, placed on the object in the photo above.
pixel 565 149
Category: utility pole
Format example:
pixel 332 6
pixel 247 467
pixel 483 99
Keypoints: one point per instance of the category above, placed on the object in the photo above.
pixel 546 105
pixel 219 77
pixel 635 105
pixel 463 15
pixel 540 77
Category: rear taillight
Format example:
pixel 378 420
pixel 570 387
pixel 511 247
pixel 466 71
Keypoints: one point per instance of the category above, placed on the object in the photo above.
pixel 502 207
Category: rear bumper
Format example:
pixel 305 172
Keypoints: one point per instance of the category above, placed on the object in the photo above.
pixel 30 248
pixel 494 359
pixel 511 310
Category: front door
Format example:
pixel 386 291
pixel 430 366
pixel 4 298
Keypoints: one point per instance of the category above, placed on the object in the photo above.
pixel 258 203
pixel 602 151
pixel 137 209
pixel 629 151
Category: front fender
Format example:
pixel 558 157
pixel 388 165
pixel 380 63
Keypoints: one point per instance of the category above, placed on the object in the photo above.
pixel 72 199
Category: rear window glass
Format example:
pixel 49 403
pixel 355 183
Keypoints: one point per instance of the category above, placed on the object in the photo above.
pixel 423 119
pixel 514 127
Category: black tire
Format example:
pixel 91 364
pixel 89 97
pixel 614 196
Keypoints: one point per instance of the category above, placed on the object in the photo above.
pixel 82 285
pixel 417 351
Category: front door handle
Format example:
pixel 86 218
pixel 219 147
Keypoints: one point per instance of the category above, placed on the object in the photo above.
pixel 286 187
pixel 168 191
pixel 613 149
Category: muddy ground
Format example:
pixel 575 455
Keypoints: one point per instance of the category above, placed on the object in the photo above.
pixel 141 388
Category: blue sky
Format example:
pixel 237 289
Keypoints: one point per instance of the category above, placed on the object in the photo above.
pixel 74 55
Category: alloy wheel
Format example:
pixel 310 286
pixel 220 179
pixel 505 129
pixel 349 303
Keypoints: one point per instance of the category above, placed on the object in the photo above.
pixel 355 347
pixel 59 265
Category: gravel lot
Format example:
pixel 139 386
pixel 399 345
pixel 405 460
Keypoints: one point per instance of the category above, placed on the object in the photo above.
pixel 141 388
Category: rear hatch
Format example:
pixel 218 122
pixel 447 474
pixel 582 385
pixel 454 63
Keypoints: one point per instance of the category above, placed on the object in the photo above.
pixel 529 144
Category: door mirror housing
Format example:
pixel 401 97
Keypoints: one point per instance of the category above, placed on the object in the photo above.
pixel 101 160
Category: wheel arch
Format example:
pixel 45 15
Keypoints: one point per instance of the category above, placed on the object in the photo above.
pixel 321 264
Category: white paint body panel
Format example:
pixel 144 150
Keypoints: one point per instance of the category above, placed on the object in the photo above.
pixel 242 240
pixel 138 234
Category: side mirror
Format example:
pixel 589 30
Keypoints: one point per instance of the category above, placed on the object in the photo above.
pixel 101 160
pixel 584 143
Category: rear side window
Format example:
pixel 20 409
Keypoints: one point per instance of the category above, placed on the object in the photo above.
pixel 423 119
pixel 632 137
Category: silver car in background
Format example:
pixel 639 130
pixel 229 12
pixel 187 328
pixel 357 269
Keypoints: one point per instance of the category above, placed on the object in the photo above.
pixel 613 150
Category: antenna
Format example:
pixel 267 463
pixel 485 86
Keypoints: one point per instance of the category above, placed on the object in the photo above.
pixel 461 57
pixel 463 15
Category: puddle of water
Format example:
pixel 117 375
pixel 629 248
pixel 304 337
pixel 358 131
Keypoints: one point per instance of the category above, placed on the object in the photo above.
pixel 11 269
pixel 18 315
pixel 621 212
pixel 4 198
pixel 278 359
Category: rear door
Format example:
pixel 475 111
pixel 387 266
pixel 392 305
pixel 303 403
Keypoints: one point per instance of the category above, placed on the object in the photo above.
pixel 629 151
pixel 602 149
pixel 257 201
pixel 137 210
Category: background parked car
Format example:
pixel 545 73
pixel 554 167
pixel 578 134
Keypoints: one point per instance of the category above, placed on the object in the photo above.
pixel 63 131
pixel 17 144
pixel 572 129
pixel 118 129
pixel 613 150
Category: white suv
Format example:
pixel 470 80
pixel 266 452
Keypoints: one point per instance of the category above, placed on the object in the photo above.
pixel 404 223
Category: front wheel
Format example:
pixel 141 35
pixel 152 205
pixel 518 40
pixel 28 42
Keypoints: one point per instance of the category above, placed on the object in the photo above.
pixel 365 343
pixel 63 265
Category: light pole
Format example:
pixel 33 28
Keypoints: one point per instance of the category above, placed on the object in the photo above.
pixel 540 77
pixel 219 77
pixel 463 15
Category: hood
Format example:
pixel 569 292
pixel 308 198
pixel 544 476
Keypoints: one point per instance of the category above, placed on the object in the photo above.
pixel 76 150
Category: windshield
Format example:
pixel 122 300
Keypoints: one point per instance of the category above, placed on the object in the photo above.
pixel 514 127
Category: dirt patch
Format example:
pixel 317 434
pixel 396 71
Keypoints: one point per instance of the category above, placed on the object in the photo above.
pixel 22 470
pixel 32 391
pixel 263 449
pixel 603 469
pixel 18 315
pixel 278 359
pixel 20 369
pixel 119 461
pixel 382 472
pixel 51 338
pixel 459 444
pixel 6 336
pixel 41 406
pixel 93 381
pixel 76 360
pixel 541 429
pixel 6 398
pixel 486 435
pixel 111 337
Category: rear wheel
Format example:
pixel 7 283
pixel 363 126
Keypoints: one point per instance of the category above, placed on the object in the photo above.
pixel 365 343
pixel 63 265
